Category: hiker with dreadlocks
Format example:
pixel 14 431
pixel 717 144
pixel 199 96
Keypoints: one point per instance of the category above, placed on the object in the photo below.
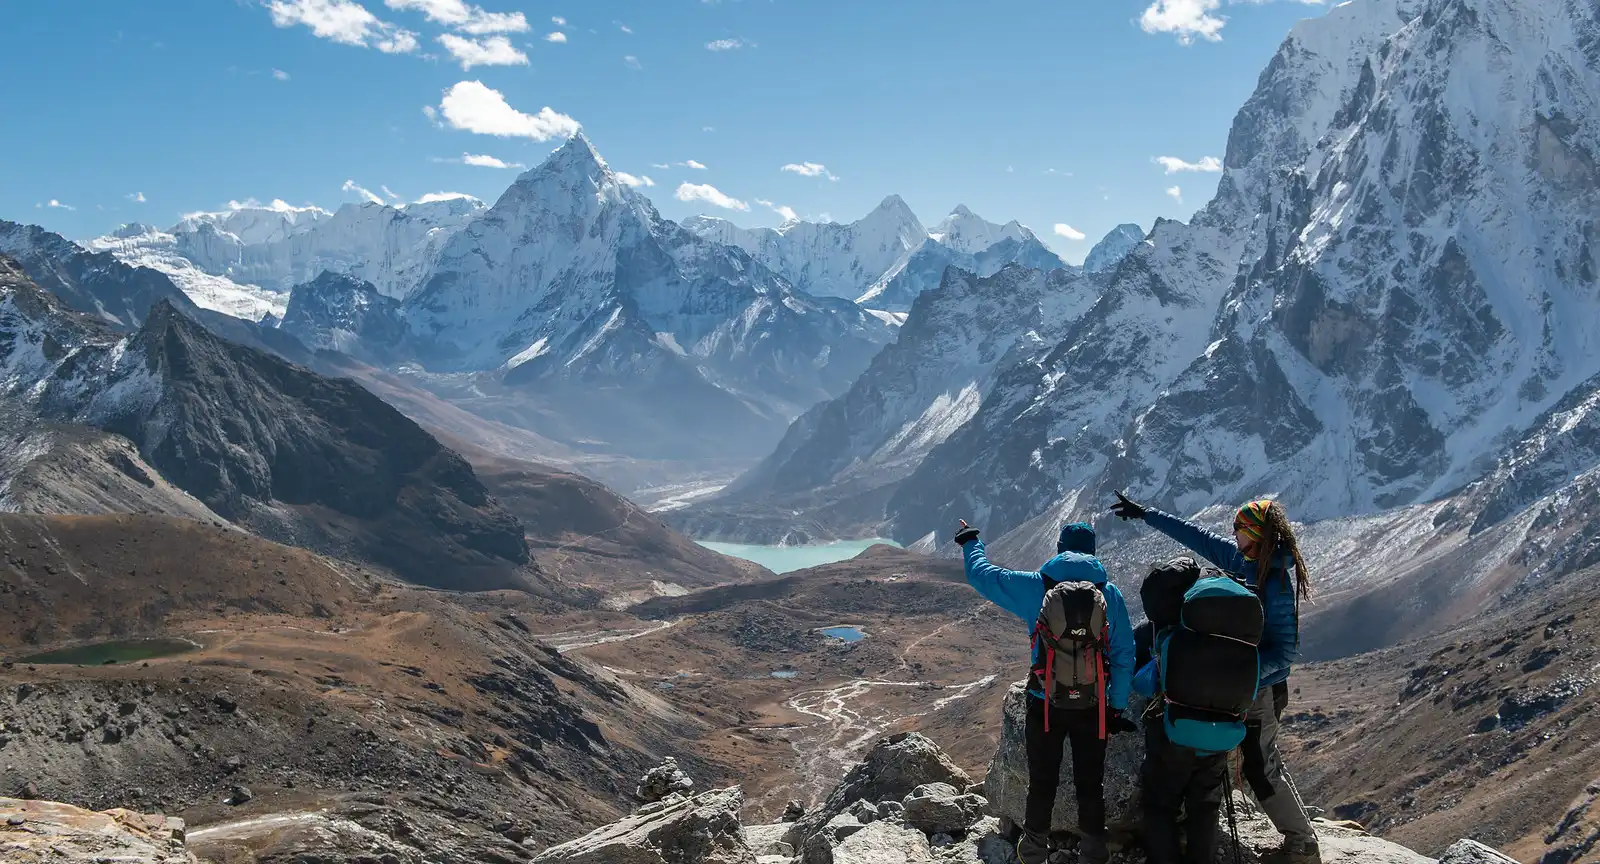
pixel 1078 683
pixel 1261 553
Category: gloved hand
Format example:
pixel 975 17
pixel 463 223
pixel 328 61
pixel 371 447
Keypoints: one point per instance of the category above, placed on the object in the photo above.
pixel 966 534
pixel 1116 722
pixel 1126 508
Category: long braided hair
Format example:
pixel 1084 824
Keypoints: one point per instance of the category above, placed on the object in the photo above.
pixel 1268 523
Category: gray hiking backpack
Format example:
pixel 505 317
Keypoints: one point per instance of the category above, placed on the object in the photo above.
pixel 1069 646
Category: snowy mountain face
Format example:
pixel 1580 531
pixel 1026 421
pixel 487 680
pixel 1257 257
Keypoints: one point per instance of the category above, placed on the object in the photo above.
pixel 1396 275
pixel 826 258
pixel 342 313
pixel 139 245
pixel 946 247
pixel 389 246
pixel 886 259
pixel 572 279
pixel 96 284
pixel 243 261
pixel 272 446
pixel 843 457
pixel 1114 247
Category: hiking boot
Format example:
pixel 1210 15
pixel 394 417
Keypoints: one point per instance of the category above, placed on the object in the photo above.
pixel 1033 848
pixel 1092 850
pixel 1295 850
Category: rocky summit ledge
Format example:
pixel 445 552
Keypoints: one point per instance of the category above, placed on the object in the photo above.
pixel 906 804
pixel 34 832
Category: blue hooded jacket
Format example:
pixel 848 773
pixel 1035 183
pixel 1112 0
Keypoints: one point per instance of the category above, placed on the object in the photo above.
pixel 1021 593
pixel 1280 637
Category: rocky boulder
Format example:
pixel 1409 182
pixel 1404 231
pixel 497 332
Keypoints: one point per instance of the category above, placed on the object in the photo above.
pixel 704 829
pixel 35 832
pixel 1473 852
pixel 663 780
pixel 893 769
pixel 937 808
pixel 1006 785
pixel 878 843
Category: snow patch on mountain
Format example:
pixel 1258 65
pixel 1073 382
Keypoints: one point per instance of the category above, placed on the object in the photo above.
pixel 140 245
pixel 1114 247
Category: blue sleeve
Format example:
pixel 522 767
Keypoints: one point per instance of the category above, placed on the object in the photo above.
pixel 1121 649
pixel 1215 548
pixel 1144 683
pixel 1019 592
pixel 1280 637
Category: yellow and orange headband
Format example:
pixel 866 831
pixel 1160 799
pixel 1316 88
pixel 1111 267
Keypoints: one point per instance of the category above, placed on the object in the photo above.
pixel 1252 518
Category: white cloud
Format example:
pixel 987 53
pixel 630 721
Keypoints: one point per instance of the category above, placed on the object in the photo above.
pixel 1176 192
pixel 1186 19
pixel 493 51
pixel 1011 169
pixel 473 107
pixel 783 210
pixel 280 74
pixel 366 195
pixel 709 194
pixel 708 128
pixel 630 180
pixel 692 164
pixel 557 37
pixel 728 45
pixel 484 161
pixel 1207 164
pixel 631 62
pixel 462 16
pixel 135 197
pixel 809 169
pixel 345 22
pixel 431 113
pixel 440 196
pixel 1069 232
pixel 624 28
pixel 53 203
pixel 558 21
pixel 661 165
pixel 388 192
pixel 1057 172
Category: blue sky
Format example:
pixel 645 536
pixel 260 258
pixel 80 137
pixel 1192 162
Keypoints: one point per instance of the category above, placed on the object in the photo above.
pixel 1054 113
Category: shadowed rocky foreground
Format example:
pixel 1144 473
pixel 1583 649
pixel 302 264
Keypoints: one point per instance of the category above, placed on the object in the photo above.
pixel 906 803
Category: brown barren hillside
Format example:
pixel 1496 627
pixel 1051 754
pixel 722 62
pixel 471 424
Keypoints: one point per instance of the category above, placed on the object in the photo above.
pixel 1491 731
pixel 66 578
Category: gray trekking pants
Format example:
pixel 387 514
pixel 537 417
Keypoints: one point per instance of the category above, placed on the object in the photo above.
pixel 1265 772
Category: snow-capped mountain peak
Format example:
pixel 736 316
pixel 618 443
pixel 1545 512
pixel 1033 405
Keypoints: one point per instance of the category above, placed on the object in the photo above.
pixel 1114 247
pixel 969 233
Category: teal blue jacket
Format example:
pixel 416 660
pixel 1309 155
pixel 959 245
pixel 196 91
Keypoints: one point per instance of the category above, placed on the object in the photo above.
pixel 1021 592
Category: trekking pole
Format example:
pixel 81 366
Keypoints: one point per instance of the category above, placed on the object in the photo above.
pixel 1233 821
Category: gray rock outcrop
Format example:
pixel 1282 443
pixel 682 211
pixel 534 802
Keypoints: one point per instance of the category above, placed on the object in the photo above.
pixel 1473 852
pixel 893 769
pixel 35 832
pixel 663 780
pixel 1006 785
pixel 703 829
pixel 937 808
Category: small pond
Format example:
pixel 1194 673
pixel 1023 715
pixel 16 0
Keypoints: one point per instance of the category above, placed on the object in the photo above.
pixel 120 651
pixel 785 673
pixel 844 632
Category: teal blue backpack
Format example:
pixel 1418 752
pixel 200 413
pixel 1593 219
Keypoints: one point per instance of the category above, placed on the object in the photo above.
pixel 1210 665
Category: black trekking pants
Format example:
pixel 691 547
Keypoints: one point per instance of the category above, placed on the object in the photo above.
pixel 1081 729
pixel 1176 778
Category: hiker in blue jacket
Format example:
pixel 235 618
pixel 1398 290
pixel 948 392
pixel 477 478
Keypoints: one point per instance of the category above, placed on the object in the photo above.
pixel 1262 552
pixel 1022 593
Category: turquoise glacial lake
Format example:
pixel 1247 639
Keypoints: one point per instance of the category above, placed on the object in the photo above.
pixel 784 559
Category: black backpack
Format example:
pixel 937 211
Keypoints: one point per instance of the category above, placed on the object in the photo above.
pixel 1162 591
